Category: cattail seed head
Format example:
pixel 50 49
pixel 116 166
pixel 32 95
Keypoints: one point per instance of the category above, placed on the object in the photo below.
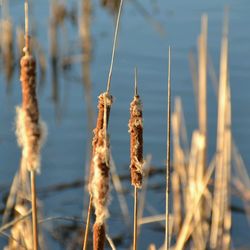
pixel 136 141
pixel 99 170
pixel 104 98
pixel 30 130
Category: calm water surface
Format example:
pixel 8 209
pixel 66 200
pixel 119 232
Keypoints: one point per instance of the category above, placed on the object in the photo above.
pixel 140 44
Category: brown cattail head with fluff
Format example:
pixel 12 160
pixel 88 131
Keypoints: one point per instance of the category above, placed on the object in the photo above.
pixel 30 131
pixel 99 171
pixel 105 101
pixel 136 141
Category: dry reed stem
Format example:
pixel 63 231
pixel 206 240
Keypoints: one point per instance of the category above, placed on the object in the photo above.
pixel 111 243
pixel 143 193
pixel 21 232
pixel 119 190
pixel 185 229
pixel 7 47
pixel 86 234
pixel 226 241
pixel 152 247
pixel 86 57
pixel 167 240
pixel 217 216
pixel 179 175
pixel 194 75
pixel 10 203
pixel 114 46
pixel 135 219
pixel 202 118
pixel 177 209
pixel 202 97
pixel 34 209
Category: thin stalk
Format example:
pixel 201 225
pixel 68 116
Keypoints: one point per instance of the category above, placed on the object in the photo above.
pixel 34 209
pixel 136 89
pixel 87 225
pixel 135 219
pixel 114 46
pixel 26 11
pixel 168 151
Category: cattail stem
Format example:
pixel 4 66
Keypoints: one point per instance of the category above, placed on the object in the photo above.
pixel 168 151
pixel 114 46
pixel 26 12
pixel 135 219
pixel 87 224
pixel 34 209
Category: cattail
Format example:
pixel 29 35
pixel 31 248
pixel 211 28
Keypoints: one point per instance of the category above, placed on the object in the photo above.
pixel 99 169
pixel 136 151
pixel 99 173
pixel 136 141
pixel 30 130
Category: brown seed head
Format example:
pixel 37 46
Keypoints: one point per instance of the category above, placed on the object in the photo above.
pixel 136 142
pixel 29 114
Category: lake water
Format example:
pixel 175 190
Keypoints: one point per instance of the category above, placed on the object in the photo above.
pixel 147 29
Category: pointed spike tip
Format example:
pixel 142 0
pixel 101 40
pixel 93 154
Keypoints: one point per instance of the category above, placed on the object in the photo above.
pixel 136 88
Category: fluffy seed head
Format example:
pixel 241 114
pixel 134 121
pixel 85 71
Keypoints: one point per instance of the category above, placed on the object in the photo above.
pixel 136 142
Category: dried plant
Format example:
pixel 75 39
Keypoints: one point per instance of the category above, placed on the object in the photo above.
pixel 99 168
pixel 136 150
pixel 30 131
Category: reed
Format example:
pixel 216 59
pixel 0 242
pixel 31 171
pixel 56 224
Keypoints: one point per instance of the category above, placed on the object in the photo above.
pixel 168 152
pixel 136 151
pixel 30 128
pixel 99 167
pixel 221 171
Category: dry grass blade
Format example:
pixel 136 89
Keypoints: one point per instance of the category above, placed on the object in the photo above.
pixel 217 216
pixel 114 46
pixel 168 152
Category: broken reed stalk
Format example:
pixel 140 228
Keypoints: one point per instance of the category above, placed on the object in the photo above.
pixel 168 151
pixel 99 168
pixel 136 151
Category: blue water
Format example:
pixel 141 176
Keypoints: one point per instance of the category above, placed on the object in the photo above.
pixel 141 45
